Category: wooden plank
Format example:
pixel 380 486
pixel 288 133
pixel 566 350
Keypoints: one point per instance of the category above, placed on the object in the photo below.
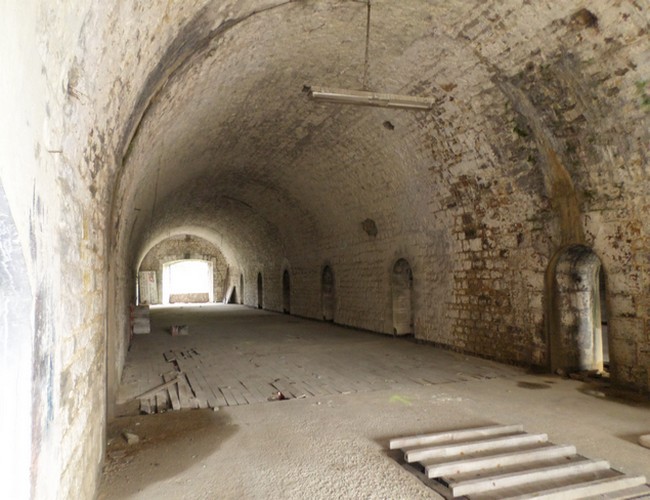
pixel 197 398
pixel 251 393
pixel 315 390
pixel 299 389
pixel 214 382
pixel 500 460
pixel 453 450
pixel 228 395
pixel 173 392
pixel 581 490
pixel 282 386
pixel 215 397
pixel 455 435
pixel 184 392
pixel 236 393
pixel 145 406
pixel 194 380
pixel 260 389
pixel 212 400
pixel 161 402
pixel 321 387
pixel 500 481
pixel 156 389
pixel 308 389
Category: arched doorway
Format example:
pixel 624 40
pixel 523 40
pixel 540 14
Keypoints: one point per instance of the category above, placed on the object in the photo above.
pixel 241 288
pixel 327 294
pixel 604 317
pixel 260 291
pixel 402 288
pixel 574 314
pixel 188 281
pixel 286 292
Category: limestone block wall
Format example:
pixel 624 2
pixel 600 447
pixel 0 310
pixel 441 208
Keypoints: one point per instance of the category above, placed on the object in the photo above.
pixel 60 225
pixel 522 156
pixel 565 164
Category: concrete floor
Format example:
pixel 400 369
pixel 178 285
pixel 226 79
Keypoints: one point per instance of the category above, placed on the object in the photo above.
pixel 334 445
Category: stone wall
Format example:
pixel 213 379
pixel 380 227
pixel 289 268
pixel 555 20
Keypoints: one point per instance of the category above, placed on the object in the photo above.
pixel 517 160
pixel 60 225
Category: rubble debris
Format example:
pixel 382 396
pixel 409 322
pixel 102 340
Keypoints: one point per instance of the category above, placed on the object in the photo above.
pixel 130 437
pixel 277 396
pixel 179 330
pixel 645 440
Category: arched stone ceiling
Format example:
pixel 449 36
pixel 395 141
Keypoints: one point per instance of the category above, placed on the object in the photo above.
pixel 233 132
pixel 200 232
pixel 229 141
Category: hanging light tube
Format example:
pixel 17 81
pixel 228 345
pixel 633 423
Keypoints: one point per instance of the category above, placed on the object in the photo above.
pixel 365 98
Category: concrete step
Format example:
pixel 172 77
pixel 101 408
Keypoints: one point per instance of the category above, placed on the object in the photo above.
pixel 582 490
pixel 635 493
pixel 499 460
pixel 500 481
pixel 452 450
pixel 454 436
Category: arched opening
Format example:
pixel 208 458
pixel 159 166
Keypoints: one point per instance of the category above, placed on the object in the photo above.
pixel 327 294
pixel 241 288
pixel 577 312
pixel 604 317
pixel 180 247
pixel 187 281
pixel 402 288
pixel 286 292
pixel 260 291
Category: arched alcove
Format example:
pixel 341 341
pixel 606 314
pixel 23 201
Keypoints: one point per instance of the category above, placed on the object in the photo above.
pixel 286 292
pixel 575 317
pixel 402 288
pixel 328 299
pixel 260 291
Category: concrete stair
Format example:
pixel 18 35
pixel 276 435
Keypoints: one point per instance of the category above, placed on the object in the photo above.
pixel 504 462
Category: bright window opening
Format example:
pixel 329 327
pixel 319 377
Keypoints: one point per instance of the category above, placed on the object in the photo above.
pixel 187 281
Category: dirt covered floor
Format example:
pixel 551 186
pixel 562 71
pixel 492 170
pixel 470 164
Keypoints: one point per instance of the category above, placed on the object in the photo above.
pixel 336 446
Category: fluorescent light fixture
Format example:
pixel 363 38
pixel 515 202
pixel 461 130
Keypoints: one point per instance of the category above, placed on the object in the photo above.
pixel 364 98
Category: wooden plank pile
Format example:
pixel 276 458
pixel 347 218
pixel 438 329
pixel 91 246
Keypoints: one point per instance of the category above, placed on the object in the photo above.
pixel 503 461
pixel 188 387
